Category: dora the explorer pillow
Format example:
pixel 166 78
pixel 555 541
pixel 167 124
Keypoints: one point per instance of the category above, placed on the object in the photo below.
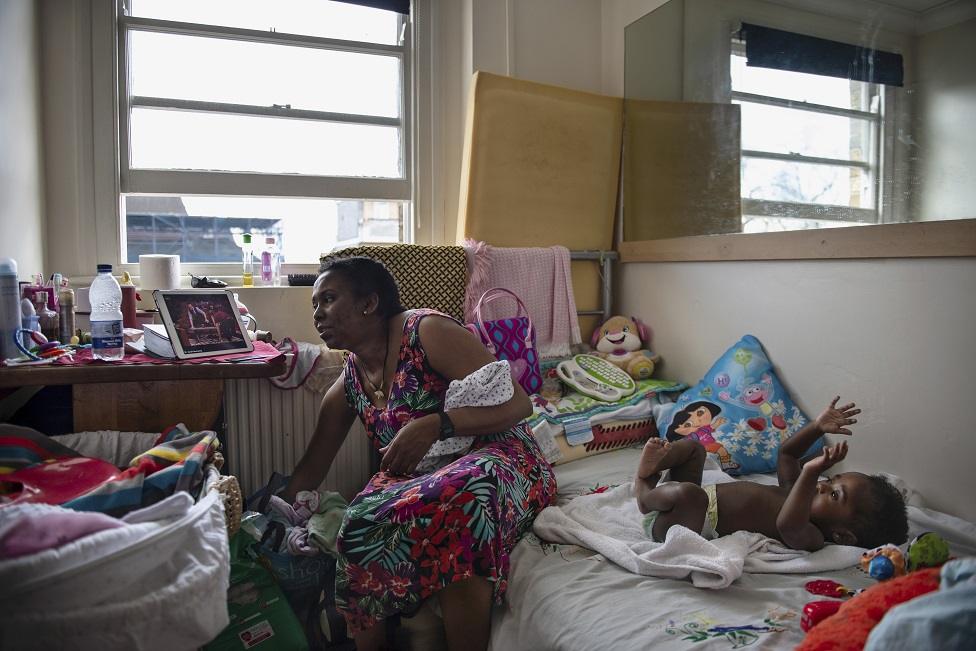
pixel 739 411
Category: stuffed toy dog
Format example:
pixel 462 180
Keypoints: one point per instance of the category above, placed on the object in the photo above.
pixel 619 341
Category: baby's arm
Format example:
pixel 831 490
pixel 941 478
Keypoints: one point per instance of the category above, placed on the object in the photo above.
pixel 832 420
pixel 793 521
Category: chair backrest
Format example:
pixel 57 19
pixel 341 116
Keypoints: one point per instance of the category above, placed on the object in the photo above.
pixel 427 276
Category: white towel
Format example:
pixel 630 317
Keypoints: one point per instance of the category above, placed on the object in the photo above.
pixel 610 523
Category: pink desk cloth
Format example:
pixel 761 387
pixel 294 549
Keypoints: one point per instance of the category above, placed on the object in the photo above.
pixel 263 352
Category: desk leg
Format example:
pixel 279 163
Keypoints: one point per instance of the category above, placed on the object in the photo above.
pixel 147 406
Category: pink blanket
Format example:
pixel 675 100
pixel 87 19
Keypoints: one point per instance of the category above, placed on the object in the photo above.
pixel 541 278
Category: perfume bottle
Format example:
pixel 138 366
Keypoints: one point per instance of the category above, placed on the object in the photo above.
pixel 270 263
pixel 46 317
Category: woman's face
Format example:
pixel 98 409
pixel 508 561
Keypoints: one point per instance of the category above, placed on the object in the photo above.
pixel 336 311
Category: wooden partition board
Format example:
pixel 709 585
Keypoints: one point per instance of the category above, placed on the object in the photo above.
pixel 541 167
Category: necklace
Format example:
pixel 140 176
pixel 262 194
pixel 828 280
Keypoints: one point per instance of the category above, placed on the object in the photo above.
pixel 378 390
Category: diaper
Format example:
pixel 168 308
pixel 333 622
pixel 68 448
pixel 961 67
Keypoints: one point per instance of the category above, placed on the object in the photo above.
pixel 708 528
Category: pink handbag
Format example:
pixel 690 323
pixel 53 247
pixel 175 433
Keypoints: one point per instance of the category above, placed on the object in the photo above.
pixel 511 339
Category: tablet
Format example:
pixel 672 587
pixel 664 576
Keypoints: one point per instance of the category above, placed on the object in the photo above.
pixel 202 322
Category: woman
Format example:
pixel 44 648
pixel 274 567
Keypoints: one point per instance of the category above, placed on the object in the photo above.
pixel 406 536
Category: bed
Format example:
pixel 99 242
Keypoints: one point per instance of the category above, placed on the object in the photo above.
pixel 565 596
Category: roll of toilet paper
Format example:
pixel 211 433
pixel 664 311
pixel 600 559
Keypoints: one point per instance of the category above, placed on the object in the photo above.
pixel 159 271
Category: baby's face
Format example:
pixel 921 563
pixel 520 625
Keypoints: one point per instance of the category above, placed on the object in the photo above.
pixel 837 499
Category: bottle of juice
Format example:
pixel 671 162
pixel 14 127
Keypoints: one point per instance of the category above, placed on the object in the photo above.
pixel 247 275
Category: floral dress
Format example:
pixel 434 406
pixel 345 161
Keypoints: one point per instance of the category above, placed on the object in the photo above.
pixel 403 539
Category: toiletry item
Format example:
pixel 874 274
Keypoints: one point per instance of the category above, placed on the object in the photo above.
pixel 158 271
pixel 66 315
pixel 54 287
pixel 128 302
pixel 247 274
pixel 46 317
pixel 28 321
pixel 9 308
pixel 270 263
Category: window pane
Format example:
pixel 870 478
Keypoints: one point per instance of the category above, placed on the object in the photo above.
pixel 792 131
pixel 308 17
pixel 803 87
pixel 805 183
pixel 261 74
pixel 208 229
pixel 206 141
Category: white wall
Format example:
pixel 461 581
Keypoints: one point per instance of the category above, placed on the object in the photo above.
pixel 21 179
pixel 896 336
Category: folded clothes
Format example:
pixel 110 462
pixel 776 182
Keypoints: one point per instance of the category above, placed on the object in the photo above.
pixel 41 527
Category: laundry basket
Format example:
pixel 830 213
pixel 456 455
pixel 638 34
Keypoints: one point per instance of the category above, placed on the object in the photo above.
pixel 160 582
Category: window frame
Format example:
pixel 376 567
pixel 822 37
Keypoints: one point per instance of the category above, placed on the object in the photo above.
pixel 876 165
pixel 225 183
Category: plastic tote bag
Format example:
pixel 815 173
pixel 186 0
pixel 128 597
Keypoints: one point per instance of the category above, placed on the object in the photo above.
pixel 160 582
pixel 511 339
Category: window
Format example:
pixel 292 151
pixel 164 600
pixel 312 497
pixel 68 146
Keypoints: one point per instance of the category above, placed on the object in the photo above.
pixel 287 118
pixel 811 147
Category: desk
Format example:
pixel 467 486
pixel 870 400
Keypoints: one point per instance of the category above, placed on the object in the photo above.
pixel 145 398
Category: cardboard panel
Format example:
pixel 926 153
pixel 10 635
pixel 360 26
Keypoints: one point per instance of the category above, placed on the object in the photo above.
pixel 540 166
pixel 681 169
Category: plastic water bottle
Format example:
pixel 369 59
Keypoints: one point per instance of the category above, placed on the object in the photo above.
pixel 9 308
pixel 105 297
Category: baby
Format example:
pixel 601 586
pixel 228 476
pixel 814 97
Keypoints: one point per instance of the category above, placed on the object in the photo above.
pixel 804 513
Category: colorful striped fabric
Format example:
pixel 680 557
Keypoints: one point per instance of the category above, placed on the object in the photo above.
pixel 175 463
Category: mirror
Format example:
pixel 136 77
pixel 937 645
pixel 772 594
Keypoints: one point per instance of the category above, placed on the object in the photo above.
pixel 713 145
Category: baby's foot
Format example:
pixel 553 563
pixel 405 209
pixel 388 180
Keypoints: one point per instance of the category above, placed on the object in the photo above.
pixel 651 456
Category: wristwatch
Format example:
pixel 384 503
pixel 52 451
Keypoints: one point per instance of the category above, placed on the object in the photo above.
pixel 447 426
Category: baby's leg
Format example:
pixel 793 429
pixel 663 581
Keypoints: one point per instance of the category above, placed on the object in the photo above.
pixel 685 459
pixel 681 503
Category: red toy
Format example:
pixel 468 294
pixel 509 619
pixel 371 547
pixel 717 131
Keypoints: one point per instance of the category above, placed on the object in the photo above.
pixel 850 627
pixel 817 611
pixel 828 588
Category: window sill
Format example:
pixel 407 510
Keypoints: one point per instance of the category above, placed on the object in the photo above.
pixel 954 238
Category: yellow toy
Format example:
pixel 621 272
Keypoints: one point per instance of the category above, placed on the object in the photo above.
pixel 619 341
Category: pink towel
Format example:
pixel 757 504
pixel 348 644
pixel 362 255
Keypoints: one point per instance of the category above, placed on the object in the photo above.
pixel 541 278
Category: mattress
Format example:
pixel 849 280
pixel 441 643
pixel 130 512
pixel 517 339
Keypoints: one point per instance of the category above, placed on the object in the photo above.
pixel 567 597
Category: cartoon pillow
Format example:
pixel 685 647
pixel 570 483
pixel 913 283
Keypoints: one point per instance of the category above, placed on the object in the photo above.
pixel 739 411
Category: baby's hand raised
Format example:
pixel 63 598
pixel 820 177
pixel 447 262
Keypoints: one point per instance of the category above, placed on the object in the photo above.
pixel 832 454
pixel 834 418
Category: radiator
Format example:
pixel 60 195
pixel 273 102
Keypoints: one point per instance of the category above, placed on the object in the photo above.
pixel 267 430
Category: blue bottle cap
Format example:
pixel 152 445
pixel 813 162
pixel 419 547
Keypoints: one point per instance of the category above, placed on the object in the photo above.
pixel 104 268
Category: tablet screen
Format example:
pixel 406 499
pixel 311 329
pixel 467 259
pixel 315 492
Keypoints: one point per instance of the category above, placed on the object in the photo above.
pixel 202 322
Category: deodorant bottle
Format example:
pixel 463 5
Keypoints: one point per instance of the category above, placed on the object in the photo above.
pixel 9 308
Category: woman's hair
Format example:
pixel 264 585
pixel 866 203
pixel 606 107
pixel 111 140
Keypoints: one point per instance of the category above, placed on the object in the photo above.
pixel 366 276
pixel 682 416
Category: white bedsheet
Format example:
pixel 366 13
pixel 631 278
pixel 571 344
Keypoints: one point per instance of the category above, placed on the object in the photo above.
pixel 566 597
